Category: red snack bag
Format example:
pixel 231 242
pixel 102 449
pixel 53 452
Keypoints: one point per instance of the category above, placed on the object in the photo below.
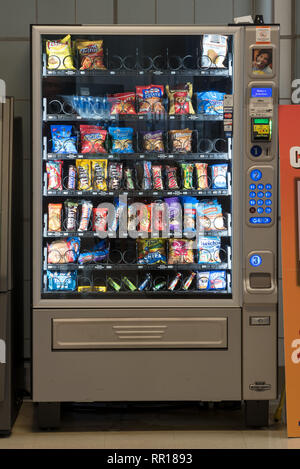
pixel 92 139
pixel 122 103
pixel 157 177
pixel 150 99
pixel 100 219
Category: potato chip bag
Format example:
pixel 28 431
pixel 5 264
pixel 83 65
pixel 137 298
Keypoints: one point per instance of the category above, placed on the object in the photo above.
pixel 122 103
pixel 59 54
pixel 92 139
pixel 91 54
pixel 180 98
pixel 150 99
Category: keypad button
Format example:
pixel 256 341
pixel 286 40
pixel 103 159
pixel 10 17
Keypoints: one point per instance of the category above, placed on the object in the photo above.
pixel 260 187
pixel 260 220
pixel 252 202
pixel 252 194
pixel 268 187
pixel 252 187
pixel 260 194
pixel 260 202
pixel 268 202
pixel 268 210
pixel 252 209
pixel 256 175
pixel 260 210
pixel 268 194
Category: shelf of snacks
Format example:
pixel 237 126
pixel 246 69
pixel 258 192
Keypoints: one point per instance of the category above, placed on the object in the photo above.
pixel 136 156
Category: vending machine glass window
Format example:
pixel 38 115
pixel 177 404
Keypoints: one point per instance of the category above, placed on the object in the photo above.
pixel 136 166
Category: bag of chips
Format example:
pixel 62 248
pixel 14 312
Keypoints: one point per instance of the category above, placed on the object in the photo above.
pixel 150 99
pixel 63 251
pixel 121 139
pixel 91 54
pixel 84 175
pixel 180 98
pixel 62 140
pixel 151 251
pixel 122 103
pixel 181 251
pixel 209 250
pixel 214 50
pixel 219 176
pixel 54 173
pixel 210 102
pixel 59 54
pixel 99 175
pixel 58 281
pixel 54 217
pixel 153 142
pixel 92 139
pixel 201 176
pixel 181 140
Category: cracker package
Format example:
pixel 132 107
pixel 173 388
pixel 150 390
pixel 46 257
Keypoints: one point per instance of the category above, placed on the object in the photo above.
pixel 181 140
pixel 59 54
pixel 180 98
pixel 91 54
pixel 150 99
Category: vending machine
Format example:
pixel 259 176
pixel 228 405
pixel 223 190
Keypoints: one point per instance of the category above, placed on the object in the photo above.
pixel 154 215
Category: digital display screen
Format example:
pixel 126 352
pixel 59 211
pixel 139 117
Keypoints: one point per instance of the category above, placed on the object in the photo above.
pixel 261 92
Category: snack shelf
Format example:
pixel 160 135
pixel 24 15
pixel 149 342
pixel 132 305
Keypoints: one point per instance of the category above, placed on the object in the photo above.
pixel 134 118
pixel 219 72
pixel 137 267
pixel 137 156
pixel 137 193
pixel 94 234
pixel 139 294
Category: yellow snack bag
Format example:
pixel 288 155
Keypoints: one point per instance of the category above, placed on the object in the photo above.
pixel 84 175
pixel 59 54
pixel 99 172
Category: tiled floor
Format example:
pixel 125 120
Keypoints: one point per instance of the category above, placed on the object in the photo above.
pixel 174 426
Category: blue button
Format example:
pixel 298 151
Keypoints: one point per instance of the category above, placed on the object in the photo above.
pixel 252 194
pixel 255 260
pixel 260 194
pixel 268 194
pixel 252 202
pixel 260 210
pixel 268 210
pixel 252 187
pixel 256 174
pixel 268 202
pixel 268 187
pixel 256 150
pixel 260 202
pixel 260 187
pixel 260 220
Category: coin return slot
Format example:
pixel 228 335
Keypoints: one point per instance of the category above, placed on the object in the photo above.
pixel 260 280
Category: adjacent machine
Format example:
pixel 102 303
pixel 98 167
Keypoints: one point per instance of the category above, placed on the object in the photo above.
pixel 154 215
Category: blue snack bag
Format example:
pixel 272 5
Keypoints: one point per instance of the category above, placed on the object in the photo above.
pixel 58 281
pixel 210 102
pixel 62 140
pixel 121 139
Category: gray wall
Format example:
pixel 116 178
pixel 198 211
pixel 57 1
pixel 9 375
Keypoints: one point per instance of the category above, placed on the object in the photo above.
pixel 17 15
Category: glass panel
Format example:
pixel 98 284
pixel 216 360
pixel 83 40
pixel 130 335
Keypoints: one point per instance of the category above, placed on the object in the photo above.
pixel 136 166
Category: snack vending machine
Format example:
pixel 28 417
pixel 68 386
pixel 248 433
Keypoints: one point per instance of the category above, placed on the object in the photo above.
pixel 154 215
